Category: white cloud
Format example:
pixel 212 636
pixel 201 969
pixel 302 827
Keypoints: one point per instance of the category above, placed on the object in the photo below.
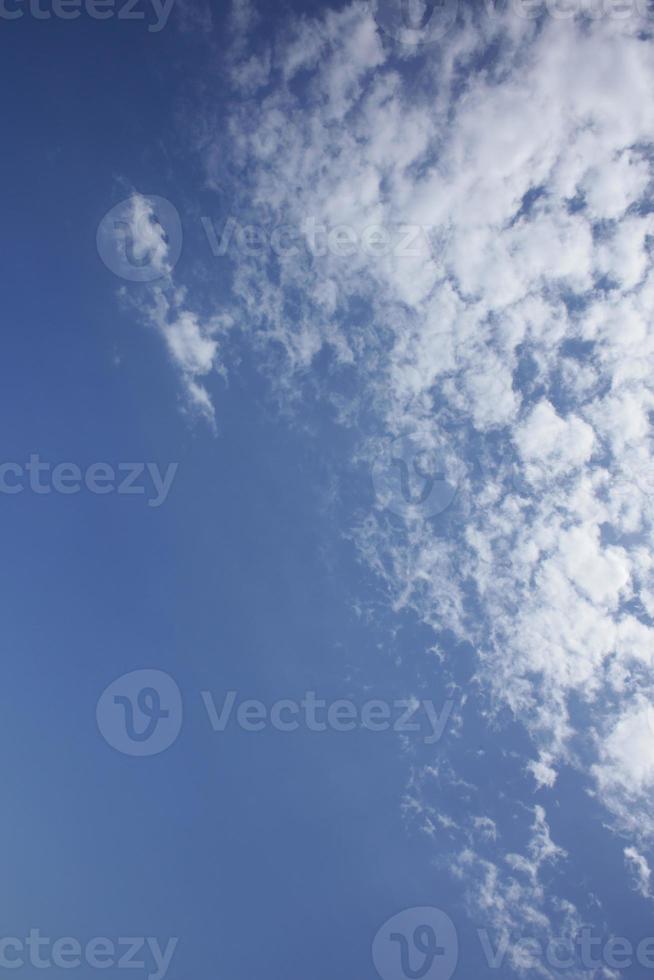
pixel 640 869
pixel 190 338
pixel 524 333
pixel 144 235
pixel 550 445
pixel 626 766
pixel 542 770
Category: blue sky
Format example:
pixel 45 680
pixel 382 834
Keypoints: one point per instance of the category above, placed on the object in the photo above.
pixel 471 317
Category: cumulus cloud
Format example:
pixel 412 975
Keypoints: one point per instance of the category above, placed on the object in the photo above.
pixel 626 766
pixel 520 149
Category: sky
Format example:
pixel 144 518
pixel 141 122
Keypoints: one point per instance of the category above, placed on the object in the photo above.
pixel 327 489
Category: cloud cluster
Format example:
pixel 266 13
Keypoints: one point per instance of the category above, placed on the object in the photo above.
pixel 523 336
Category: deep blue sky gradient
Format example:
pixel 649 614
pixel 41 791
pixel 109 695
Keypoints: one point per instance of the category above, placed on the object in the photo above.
pixel 268 855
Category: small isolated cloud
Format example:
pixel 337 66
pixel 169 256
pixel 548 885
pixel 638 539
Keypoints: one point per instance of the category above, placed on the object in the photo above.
pixel 640 870
pixel 147 244
pixel 542 771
